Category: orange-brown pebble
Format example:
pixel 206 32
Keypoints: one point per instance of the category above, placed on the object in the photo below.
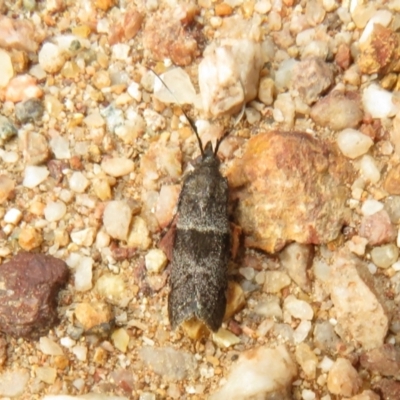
pixel 23 87
pixel 223 10
pixel 29 238
pixel 61 362
pixel 104 4
pixel 37 207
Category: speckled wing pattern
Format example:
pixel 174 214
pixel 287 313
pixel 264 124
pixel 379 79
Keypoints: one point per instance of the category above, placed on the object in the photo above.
pixel 201 252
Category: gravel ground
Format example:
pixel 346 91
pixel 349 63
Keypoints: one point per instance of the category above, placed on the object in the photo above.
pixel 93 150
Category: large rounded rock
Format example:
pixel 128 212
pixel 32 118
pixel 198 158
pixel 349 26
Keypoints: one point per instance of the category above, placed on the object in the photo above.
pixel 29 285
pixel 290 187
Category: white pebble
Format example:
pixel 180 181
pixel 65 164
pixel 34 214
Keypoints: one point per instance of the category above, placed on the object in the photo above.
pixel 369 169
pixel 83 271
pixel 117 218
pixel 80 352
pixel 78 182
pixel 60 147
pixel 353 143
pixel 262 6
pixel 301 332
pixel 67 342
pixel 55 210
pixel 49 347
pixel 298 308
pixel 384 256
pixel 307 394
pixel 6 68
pixel 120 51
pixel 84 237
pixel 326 364
pixel 378 102
pixel 117 166
pixel 155 261
pixel 13 216
pixel 371 206
pixel 247 272
pixel 34 176
pixel 134 91
pixel 51 57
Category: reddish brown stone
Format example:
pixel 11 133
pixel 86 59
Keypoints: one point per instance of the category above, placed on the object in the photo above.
pixel 290 187
pixel 343 56
pixel 167 36
pixel 389 389
pixel 384 360
pixel 28 297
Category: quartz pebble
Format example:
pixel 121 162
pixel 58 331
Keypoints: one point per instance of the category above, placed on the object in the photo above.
pixel 371 206
pixel 78 182
pixel 228 76
pixel 307 360
pixel 259 372
pixel 353 143
pixel 23 87
pixel 13 383
pixel 46 374
pixel 224 338
pixel 13 216
pixel 6 68
pixel 113 288
pixel 50 347
pixel 379 102
pixel 55 210
pixel 296 259
pixel 298 308
pixel 175 78
pixel 51 57
pixel 369 169
pixel 120 339
pixel 83 271
pixel 343 378
pixel 139 235
pixel 359 310
pixel 117 166
pixel 84 237
pixel 173 365
pixel 117 218
pixel 155 261
pixel 275 281
pixel 385 256
pixel 7 186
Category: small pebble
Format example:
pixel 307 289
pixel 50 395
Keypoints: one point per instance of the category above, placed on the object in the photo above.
pixel 29 110
pixel 46 374
pixel 369 169
pixel 117 217
pixel 6 68
pixel 275 281
pixel 298 308
pixel 78 182
pixel 55 210
pixel 120 339
pixel 84 237
pixel 139 236
pixel 51 58
pixel 34 176
pixel 155 261
pixel 353 143
pixel 23 87
pixel 50 347
pixel 379 102
pixel 371 207
pixel 29 238
pixel 384 256
pixel 13 216
pixel 117 166
pixel 13 383
pixel 7 130
pixel 60 147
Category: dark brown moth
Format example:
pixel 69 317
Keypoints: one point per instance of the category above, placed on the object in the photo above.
pixel 201 251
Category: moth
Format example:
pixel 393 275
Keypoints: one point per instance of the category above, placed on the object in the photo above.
pixel 201 251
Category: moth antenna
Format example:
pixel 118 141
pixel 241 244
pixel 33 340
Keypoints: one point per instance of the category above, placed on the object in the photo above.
pixel 191 122
pixel 225 134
